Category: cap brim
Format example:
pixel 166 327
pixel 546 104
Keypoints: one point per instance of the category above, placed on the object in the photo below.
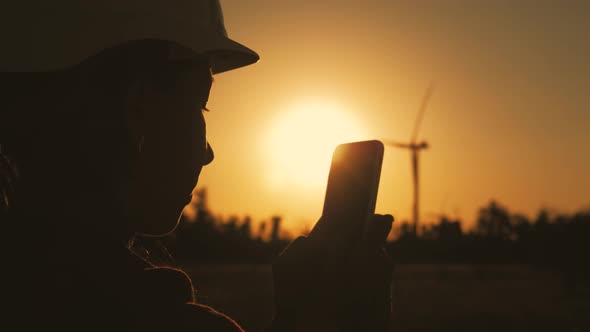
pixel 63 37
pixel 227 55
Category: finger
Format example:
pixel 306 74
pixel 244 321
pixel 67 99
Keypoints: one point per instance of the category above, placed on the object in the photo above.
pixel 376 232
pixel 333 237
pixel 299 250
pixel 379 228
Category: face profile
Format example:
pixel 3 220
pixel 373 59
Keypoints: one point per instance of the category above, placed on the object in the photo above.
pixel 174 146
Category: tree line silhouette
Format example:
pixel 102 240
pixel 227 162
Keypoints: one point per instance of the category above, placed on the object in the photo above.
pixel 499 237
pixel 550 240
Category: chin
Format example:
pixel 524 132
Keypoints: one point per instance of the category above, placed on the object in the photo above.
pixel 159 225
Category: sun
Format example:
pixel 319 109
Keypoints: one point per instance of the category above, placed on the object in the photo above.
pixel 302 140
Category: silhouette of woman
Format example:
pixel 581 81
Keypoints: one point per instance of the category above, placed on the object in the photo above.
pixel 104 140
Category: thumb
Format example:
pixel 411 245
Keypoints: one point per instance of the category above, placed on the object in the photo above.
pixel 378 229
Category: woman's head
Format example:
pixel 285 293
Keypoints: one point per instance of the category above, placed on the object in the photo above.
pixel 122 138
pixel 120 133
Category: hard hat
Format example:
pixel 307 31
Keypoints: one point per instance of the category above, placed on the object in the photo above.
pixel 50 35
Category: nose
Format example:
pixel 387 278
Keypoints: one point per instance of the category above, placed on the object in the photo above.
pixel 208 155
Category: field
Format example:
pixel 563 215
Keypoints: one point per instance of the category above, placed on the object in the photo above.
pixel 425 297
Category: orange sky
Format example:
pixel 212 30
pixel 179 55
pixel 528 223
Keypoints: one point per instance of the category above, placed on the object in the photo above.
pixel 509 118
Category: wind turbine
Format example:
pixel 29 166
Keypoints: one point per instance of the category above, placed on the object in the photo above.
pixel 415 148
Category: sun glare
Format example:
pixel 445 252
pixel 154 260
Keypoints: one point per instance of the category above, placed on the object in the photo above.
pixel 303 139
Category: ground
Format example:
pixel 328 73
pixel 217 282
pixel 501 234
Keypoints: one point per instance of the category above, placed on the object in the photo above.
pixel 425 297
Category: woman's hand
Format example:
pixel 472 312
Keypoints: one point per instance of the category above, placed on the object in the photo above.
pixel 328 283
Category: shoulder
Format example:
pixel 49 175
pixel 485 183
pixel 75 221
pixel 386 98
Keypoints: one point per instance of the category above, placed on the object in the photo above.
pixel 175 288
pixel 188 317
pixel 211 319
pixel 169 285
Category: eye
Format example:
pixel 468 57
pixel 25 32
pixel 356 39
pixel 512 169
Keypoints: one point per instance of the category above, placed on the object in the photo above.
pixel 202 103
pixel 204 108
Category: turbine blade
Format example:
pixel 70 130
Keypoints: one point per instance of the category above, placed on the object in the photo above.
pixel 396 144
pixel 421 110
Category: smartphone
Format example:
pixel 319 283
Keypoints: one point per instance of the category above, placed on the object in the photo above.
pixel 351 193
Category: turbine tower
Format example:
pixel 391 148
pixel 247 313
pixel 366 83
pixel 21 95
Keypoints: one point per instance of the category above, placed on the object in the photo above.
pixel 415 148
